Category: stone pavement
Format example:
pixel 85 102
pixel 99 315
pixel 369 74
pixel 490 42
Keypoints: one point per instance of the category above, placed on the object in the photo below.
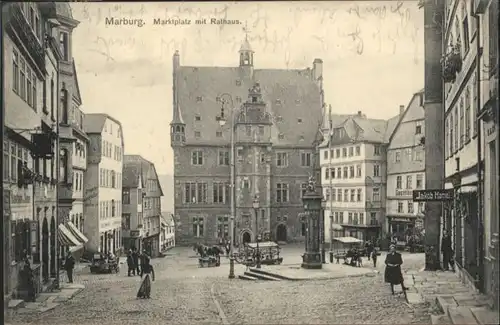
pixel 291 270
pixel 47 301
pixel 457 303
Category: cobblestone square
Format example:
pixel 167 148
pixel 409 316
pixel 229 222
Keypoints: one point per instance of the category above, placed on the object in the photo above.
pixel 183 293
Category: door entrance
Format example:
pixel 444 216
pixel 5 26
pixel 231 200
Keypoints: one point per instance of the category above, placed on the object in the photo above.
pixel 281 233
pixel 246 237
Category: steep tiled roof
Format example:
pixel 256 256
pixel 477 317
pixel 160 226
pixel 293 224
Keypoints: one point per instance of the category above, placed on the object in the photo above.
pixel 94 123
pixel 291 96
pixel 360 128
pixel 136 166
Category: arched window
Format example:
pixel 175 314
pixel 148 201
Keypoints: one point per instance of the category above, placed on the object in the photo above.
pixel 177 129
pixel 63 162
pixel 64 106
pixel 113 208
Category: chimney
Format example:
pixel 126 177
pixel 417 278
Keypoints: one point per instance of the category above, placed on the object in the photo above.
pixel 360 114
pixel 401 109
pixel 317 69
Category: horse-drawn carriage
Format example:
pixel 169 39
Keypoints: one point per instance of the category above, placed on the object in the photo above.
pixel 209 256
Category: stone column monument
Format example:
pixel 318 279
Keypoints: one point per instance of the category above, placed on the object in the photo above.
pixel 313 210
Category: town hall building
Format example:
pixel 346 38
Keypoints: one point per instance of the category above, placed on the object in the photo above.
pixel 276 115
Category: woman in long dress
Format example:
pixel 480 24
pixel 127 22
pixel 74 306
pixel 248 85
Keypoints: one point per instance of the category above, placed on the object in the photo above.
pixel 393 274
pixel 149 276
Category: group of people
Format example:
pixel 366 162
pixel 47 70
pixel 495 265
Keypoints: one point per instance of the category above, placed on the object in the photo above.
pixel 146 271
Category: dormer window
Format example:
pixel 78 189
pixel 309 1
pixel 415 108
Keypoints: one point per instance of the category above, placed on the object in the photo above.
pixel 301 138
pixel 217 99
pixel 297 101
pixel 278 101
pixel 197 134
pixel 238 82
pixel 199 99
pixel 281 136
pixel 218 134
pixel 238 99
pixel 254 99
pixel 197 118
pixel 279 118
pixel 299 120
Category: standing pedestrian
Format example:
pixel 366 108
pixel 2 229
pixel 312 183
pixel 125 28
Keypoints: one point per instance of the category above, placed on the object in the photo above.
pixel 149 276
pixel 69 265
pixel 135 258
pixel 447 251
pixel 130 263
pixel 374 257
pixel 393 274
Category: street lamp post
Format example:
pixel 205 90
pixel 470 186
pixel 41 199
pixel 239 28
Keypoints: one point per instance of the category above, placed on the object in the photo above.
pixel 222 121
pixel 255 205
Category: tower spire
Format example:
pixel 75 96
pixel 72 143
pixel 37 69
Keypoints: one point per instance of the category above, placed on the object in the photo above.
pixel 246 52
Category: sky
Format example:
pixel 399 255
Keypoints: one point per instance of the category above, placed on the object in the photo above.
pixel 372 54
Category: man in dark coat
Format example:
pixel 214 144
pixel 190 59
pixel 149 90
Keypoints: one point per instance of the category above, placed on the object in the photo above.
pixel 135 258
pixel 130 263
pixel 393 273
pixel 447 250
pixel 69 265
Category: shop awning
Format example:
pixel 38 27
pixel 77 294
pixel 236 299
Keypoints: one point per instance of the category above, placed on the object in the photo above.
pixel 77 233
pixel 66 238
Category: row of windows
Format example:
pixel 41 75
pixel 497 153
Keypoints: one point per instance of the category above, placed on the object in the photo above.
pixel 109 178
pixel 24 82
pixel 152 203
pixel 353 218
pixel 107 150
pixel 350 195
pixel 349 152
pixel 110 209
pixel 16 156
pixel 460 120
pixel 409 182
pixel 349 172
pixel 411 154
pixel 223 158
pixel 410 207
pixel 13 155
pixel 198 192
pixel 110 130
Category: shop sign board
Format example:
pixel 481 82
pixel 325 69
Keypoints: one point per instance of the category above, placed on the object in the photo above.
pixel 433 195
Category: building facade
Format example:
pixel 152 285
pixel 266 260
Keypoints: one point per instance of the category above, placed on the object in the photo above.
pixel 353 164
pixel 471 145
pixel 132 207
pixel 406 171
pixel 487 12
pixel 274 116
pixel 31 144
pixel 73 142
pixel 167 235
pixel 103 183
pixel 151 207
